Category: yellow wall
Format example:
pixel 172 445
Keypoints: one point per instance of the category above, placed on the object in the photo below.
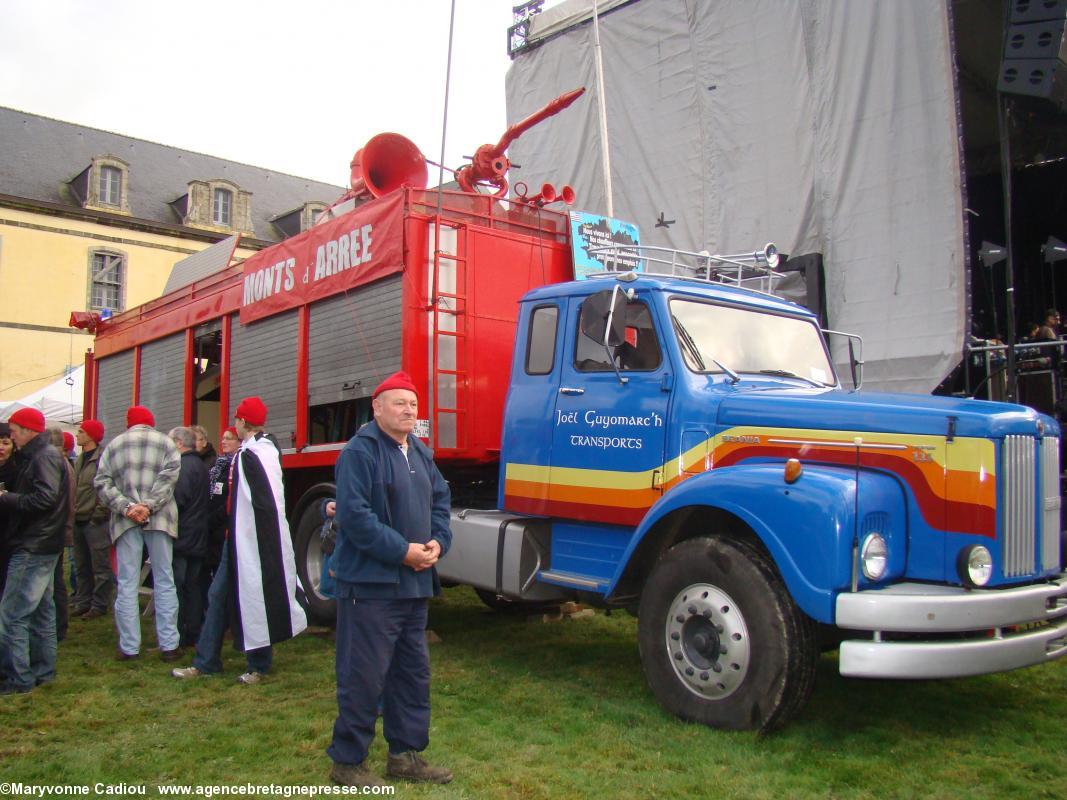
pixel 44 275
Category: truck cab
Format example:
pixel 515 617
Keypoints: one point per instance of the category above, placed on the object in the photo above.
pixel 684 449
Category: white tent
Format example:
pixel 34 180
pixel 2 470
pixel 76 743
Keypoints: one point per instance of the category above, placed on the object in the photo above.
pixel 60 402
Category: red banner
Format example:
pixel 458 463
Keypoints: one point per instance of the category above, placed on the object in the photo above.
pixel 359 247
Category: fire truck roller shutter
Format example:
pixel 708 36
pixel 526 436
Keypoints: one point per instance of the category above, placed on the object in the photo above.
pixel 355 342
pixel 162 385
pixel 263 363
pixel 114 392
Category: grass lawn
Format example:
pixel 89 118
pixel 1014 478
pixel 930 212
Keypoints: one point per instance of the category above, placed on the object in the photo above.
pixel 534 710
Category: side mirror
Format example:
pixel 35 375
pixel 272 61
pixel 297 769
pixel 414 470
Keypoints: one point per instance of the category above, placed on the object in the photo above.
pixel 855 356
pixel 603 317
pixel 855 365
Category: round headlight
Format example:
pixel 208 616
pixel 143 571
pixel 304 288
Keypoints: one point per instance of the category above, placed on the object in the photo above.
pixel 975 565
pixel 875 556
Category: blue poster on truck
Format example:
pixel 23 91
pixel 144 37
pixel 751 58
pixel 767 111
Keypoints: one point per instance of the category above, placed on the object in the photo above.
pixel 590 231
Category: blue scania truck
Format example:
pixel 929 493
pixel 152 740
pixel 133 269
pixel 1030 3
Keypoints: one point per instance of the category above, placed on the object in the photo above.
pixel 681 446
pixel 674 441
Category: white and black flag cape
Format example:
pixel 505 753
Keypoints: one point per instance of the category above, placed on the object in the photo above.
pixel 263 568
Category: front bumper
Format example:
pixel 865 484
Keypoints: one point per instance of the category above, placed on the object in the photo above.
pixel 991 630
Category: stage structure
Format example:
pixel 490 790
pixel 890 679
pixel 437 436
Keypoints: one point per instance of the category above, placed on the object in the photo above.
pixel 832 128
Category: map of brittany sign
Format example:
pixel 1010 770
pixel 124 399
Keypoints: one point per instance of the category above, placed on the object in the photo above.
pixel 591 231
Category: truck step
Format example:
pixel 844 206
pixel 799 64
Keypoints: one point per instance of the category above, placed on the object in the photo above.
pixel 571 579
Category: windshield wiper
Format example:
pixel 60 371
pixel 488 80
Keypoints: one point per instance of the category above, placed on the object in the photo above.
pixel 784 373
pixel 694 351
pixel 733 376
pixel 687 342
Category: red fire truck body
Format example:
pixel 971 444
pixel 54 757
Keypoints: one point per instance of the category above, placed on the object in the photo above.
pixel 448 321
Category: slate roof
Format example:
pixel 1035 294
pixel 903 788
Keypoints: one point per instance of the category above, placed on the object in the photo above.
pixel 39 156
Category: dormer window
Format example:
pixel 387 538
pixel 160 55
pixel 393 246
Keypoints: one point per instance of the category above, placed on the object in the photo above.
pixel 110 186
pixel 222 207
pixel 103 185
pixel 299 219
pixel 218 205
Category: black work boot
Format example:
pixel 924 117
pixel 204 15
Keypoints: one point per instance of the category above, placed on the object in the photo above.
pixel 410 766
pixel 355 775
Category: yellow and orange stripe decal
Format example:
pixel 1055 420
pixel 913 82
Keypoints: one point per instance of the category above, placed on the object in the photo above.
pixel 957 479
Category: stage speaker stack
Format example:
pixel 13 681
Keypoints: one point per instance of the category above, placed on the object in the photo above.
pixel 1035 51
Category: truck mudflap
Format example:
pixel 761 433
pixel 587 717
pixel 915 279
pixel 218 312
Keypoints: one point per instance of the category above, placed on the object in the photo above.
pixel 970 631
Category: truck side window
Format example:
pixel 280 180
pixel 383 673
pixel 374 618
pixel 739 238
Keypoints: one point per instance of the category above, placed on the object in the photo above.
pixel 541 340
pixel 640 351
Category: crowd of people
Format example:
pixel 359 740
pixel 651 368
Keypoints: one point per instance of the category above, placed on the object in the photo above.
pixel 148 502
pixel 211 529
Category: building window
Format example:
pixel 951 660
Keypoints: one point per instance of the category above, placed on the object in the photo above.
pixel 106 282
pixel 222 207
pixel 110 186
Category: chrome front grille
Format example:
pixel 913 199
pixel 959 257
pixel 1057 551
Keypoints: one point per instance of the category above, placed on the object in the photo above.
pixel 1027 467
pixel 1050 503
pixel 1020 494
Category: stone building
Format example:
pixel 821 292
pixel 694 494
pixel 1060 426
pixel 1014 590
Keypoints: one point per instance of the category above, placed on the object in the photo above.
pixel 95 221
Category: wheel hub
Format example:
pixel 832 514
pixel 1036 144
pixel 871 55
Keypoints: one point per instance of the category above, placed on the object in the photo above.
pixel 707 641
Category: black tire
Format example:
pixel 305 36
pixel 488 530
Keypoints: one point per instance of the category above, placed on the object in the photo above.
pixel 307 550
pixel 721 641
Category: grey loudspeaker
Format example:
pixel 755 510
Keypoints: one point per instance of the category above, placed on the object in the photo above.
pixel 1035 51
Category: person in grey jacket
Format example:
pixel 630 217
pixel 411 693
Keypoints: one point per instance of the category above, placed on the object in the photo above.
pixel 135 479
pixel 39 507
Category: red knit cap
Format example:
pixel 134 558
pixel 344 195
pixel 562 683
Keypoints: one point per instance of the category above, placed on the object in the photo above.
pixel 139 415
pixel 94 429
pixel 252 410
pixel 29 418
pixel 398 380
pixel 231 430
pixel 68 441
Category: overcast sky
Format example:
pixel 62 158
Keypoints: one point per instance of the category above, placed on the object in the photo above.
pixel 292 87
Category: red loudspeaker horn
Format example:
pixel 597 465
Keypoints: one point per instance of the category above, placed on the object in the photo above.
pixel 546 195
pixel 566 194
pixel 387 162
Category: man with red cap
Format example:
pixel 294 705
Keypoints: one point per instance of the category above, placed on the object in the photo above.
pixel 135 479
pixel 9 470
pixel 392 526
pixel 94 579
pixel 38 504
pixel 257 567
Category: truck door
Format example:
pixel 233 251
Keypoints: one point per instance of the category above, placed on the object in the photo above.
pixel 609 435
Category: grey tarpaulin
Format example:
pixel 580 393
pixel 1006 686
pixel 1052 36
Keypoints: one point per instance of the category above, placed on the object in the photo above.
pixel 826 126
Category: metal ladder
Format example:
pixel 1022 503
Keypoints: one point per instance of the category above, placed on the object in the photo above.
pixel 448 341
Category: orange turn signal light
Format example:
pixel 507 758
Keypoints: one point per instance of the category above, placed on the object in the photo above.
pixel 793 470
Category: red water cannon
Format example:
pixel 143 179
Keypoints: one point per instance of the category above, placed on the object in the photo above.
pixel 489 164
pixel 548 194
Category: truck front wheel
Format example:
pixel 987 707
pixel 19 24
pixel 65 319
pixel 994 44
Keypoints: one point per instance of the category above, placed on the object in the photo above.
pixel 721 641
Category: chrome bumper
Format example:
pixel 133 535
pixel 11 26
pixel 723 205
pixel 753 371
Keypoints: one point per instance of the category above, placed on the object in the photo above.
pixel 986 619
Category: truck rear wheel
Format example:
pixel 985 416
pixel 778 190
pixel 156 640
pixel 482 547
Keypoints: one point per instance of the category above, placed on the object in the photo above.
pixel 721 641
pixel 307 550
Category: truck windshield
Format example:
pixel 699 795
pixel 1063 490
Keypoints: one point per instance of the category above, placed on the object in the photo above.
pixel 716 338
